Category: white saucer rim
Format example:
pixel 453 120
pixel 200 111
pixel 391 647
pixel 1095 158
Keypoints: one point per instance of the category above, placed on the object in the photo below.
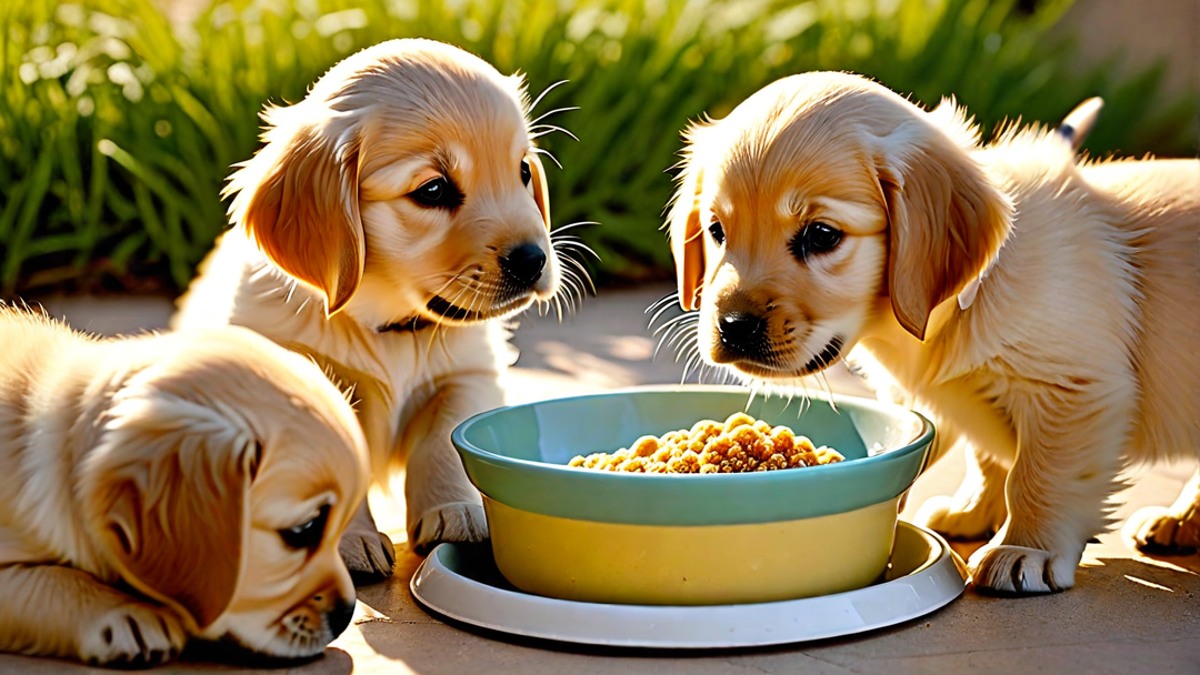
pixel 943 566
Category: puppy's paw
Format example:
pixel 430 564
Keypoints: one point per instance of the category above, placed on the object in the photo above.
pixel 1019 570
pixel 132 635
pixel 949 519
pixel 1165 533
pixel 369 555
pixel 456 522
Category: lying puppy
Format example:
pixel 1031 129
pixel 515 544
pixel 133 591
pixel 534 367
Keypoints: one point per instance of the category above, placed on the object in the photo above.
pixel 393 217
pixel 163 487
pixel 1043 311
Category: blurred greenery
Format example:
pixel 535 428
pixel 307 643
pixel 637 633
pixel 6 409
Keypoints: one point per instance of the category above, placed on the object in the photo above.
pixel 117 129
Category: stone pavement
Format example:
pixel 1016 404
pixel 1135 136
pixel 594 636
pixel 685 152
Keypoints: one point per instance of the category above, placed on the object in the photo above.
pixel 1126 614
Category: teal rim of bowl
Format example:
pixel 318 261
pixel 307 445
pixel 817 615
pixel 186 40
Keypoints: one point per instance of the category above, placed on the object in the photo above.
pixel 695 500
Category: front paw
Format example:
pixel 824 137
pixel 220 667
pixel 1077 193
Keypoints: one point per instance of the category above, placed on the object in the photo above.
pixel 132 635
pixel 1020 570
pixel 456 522
pixel 949 519
pixel 1164 533
pixel 369 555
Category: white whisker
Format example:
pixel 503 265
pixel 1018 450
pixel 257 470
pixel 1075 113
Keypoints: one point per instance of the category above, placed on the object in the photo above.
pixel 682 319
pixel 543 151
pixel 582 277
pixel 546 114
pixel 551 128
pixel 533 106
pixel 687 367
pixel 657 314
pixel 570 226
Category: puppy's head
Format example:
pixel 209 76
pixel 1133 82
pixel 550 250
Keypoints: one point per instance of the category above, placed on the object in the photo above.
pixel 405 186
pixel 822 203
pixel 224 474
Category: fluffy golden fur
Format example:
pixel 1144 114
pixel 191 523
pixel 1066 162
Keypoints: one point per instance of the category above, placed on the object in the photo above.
pixel 148 486
pixel 1043 311
pixel 341 251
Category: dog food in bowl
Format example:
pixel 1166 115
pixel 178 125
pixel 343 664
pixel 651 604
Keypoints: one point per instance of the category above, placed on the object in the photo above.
pixel 740 445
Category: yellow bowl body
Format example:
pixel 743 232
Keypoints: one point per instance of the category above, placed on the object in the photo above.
pixel 691 565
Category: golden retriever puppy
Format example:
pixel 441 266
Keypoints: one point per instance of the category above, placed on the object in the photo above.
pixel 394 217
pixel 1043 311
pixel 163 487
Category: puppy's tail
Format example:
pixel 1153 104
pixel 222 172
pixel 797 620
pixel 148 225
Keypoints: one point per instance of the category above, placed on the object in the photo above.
pixel 1078 123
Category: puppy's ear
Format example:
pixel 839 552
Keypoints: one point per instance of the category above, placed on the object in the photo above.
pixel 687 237
pixel 946 219
pixel 541 192
pixel 298 200
pixel 167 496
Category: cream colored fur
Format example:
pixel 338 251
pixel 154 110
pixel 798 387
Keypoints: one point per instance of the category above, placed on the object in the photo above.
pixel 330 246
pixel 1075 356
pixel 169 464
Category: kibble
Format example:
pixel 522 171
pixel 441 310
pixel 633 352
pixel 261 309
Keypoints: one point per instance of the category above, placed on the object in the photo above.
pixel 741 444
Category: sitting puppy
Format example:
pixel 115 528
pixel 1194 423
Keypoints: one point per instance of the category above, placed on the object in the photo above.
pixel 1043 311
pixel 162 487
pixel 392 219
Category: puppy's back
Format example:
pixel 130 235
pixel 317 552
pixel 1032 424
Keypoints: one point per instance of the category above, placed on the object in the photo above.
pixel 29 340
pixel 1161 203
pixel 1157 183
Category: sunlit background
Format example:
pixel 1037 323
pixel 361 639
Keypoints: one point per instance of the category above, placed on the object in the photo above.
pixel 119 119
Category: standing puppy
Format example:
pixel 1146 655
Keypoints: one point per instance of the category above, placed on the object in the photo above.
pixel 166 487
pixel 1042 311
pixel 394 217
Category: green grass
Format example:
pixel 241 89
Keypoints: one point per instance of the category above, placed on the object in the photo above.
pixel 116 131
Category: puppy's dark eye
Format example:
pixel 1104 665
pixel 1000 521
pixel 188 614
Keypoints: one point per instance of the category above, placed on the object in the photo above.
pixel 526 172
pixel 814 239
pixel 307 534
pixel 438 193
pixel 718 232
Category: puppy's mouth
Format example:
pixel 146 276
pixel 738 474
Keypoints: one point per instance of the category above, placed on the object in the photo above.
pixel 439 310
pixel 446 310
pixel 770 368
pixel 826 357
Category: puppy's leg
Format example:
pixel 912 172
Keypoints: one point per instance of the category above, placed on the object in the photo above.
pixel 368 553
pixel 1174 530
pixel 1068 456
pixel 442 504
pixel 977 508
pixel 50 610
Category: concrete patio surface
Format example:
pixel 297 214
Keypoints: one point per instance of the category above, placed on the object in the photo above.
pixel 1127 613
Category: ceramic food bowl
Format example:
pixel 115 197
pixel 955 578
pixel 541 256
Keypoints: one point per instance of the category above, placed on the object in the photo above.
pixel 668 539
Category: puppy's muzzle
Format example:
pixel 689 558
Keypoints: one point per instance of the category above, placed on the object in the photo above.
pixel 743 334
pixel 524 264
pixel 339 617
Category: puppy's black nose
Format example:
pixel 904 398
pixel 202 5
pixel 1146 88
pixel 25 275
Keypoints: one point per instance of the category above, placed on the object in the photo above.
pixel 524 264
pixel 741 332
pixel 339 617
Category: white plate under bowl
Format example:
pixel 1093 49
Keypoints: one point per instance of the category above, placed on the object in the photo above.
pixel 461 582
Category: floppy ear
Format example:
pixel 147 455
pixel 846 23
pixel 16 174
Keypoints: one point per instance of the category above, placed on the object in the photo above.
pixel 541 192
pixel 687 238
pixel 946 219
pixel 298 199
pixel 167 496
